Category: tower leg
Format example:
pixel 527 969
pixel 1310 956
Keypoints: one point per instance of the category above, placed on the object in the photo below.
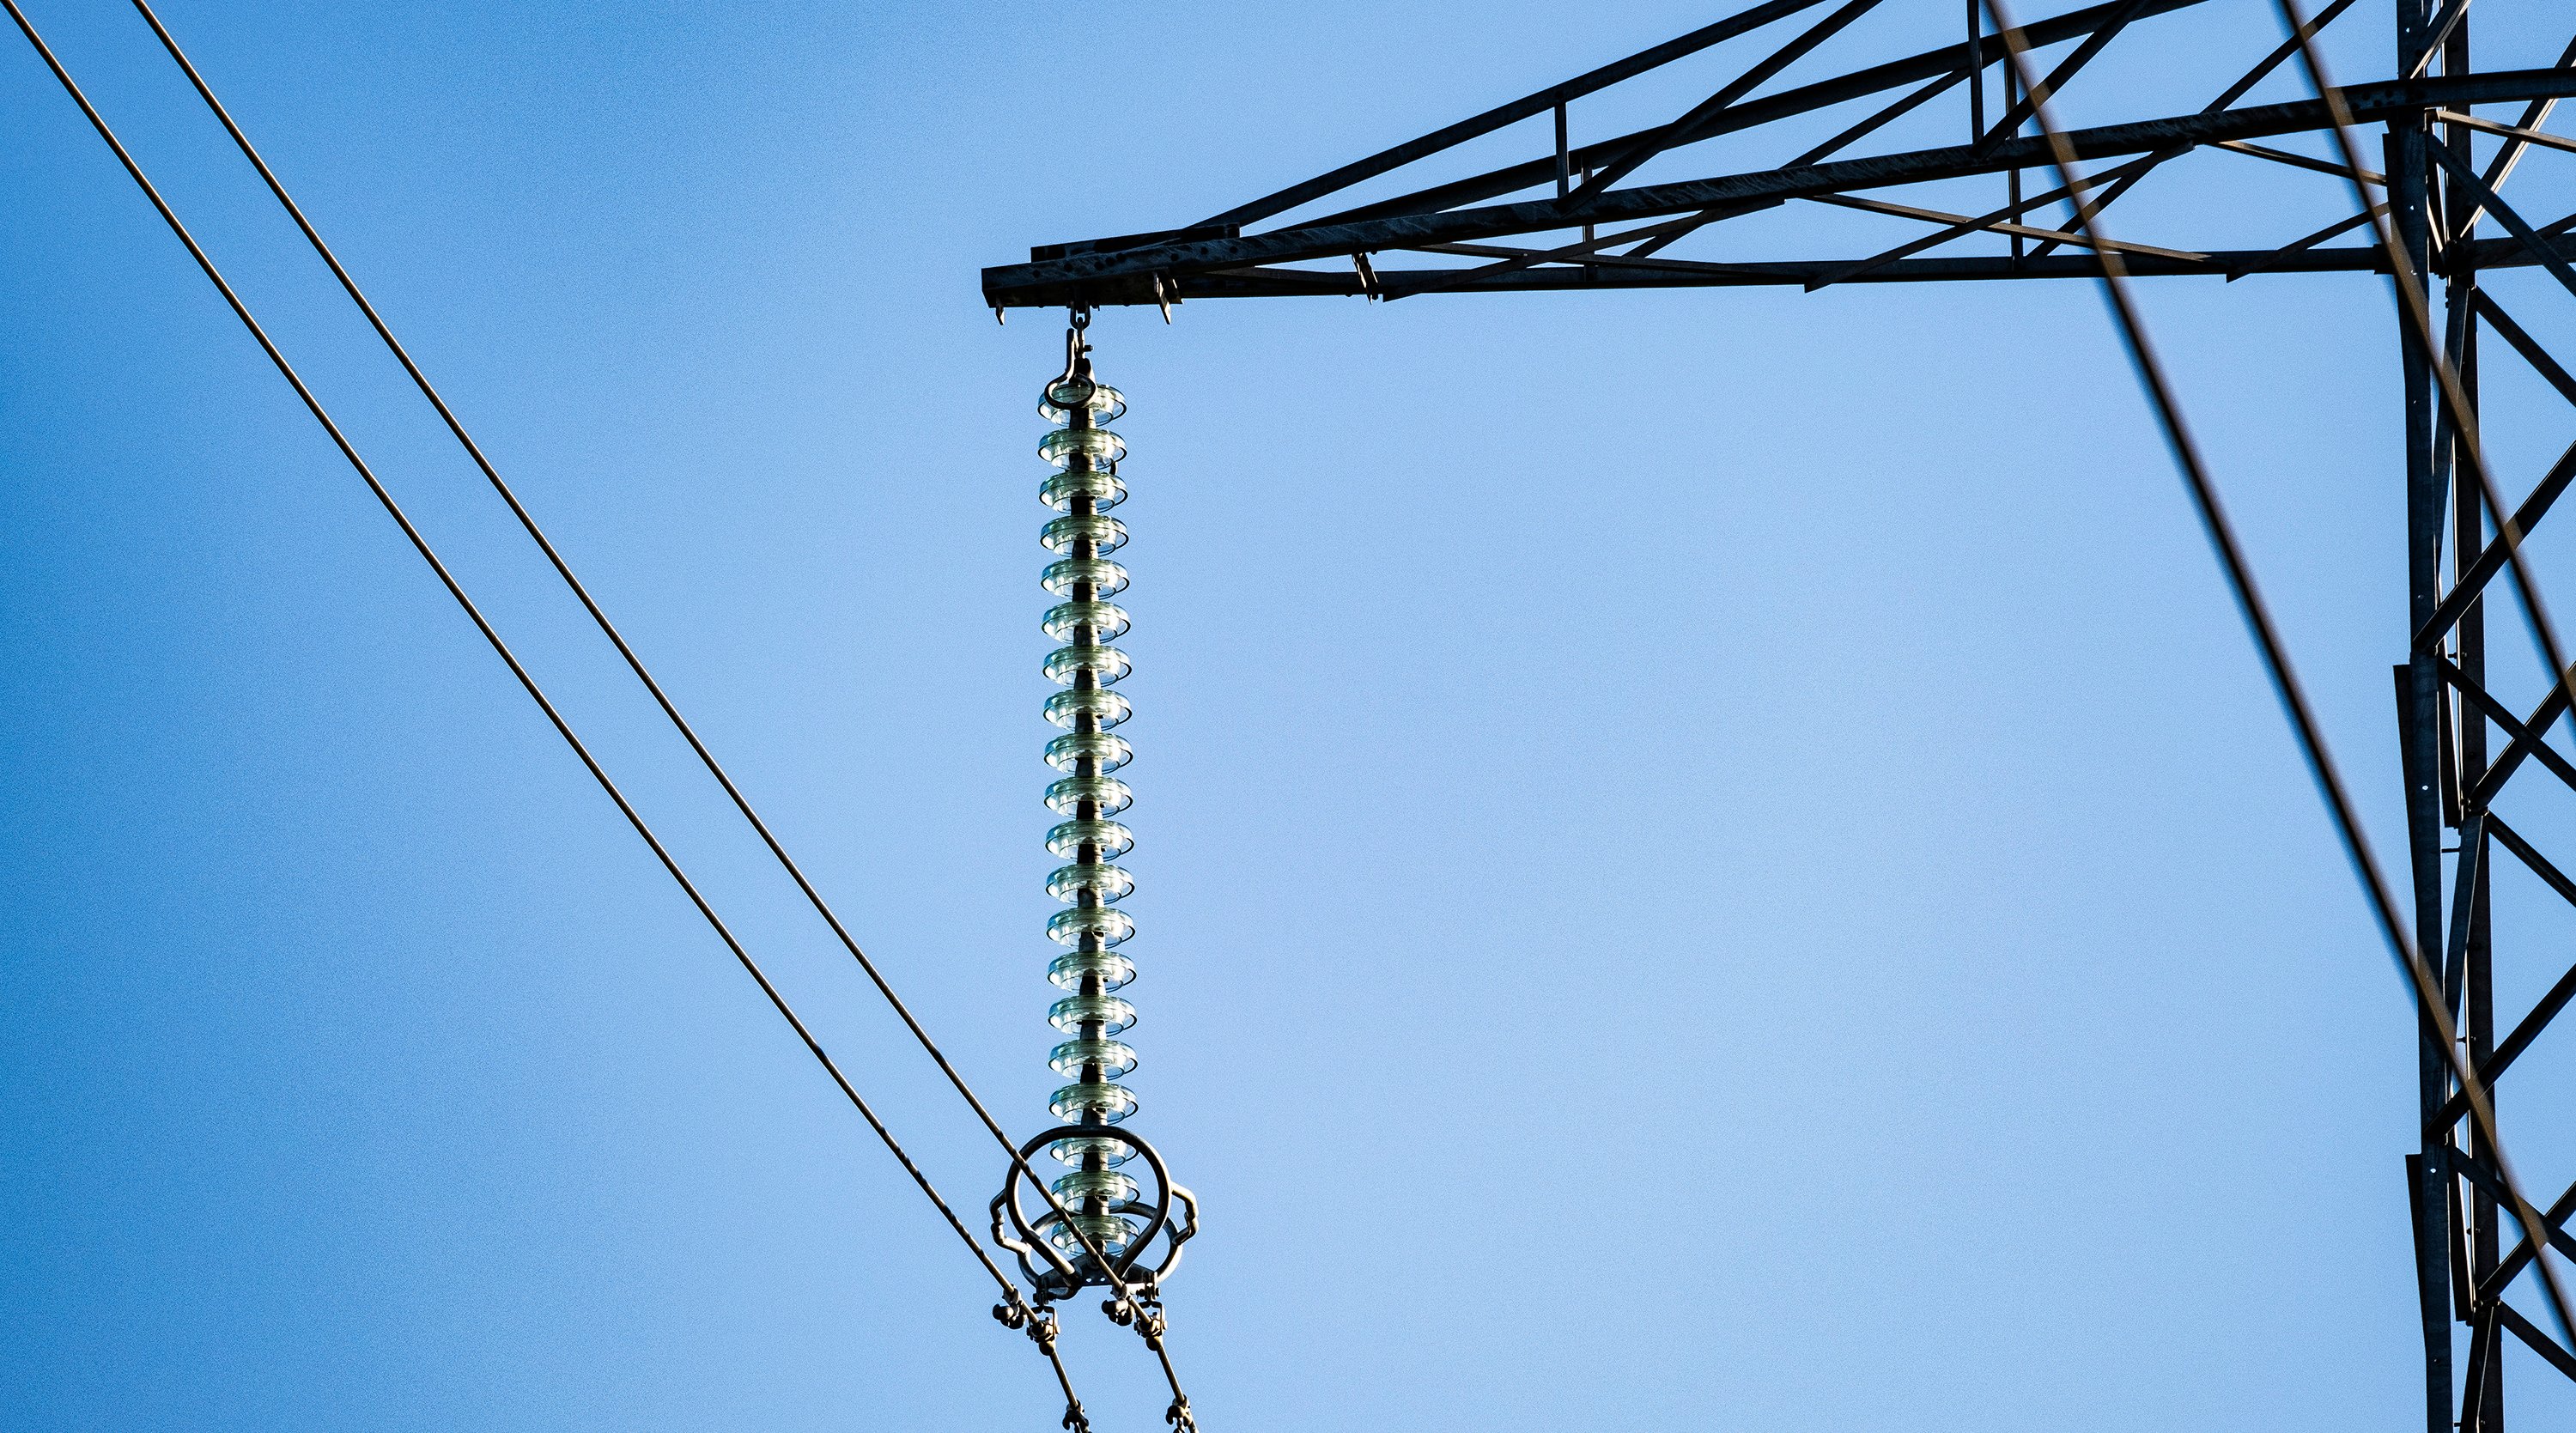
pixel 2420 726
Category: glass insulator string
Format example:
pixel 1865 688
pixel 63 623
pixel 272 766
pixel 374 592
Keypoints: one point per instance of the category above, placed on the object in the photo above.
pixel 1087 797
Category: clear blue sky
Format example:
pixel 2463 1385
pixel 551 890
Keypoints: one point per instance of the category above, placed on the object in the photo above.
pixel 1707 860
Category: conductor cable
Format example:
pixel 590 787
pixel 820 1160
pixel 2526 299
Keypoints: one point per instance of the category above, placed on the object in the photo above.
pixel 599 617
pixel 528 683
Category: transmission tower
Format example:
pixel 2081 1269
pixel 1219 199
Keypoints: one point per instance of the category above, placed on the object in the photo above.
pixel 2425 212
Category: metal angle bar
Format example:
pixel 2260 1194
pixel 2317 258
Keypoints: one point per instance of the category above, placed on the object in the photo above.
pixel 2455 1225
pixel 2530 856
pixel 2425 1186
pixel 1621 261
pixel 2273 258
pixel 1256 282
pixel 1005 285
pixel 2228 96
pixel 2525 345
pixel 2115 177
pixel 2492 558
pixel 1309 283
pixel 1518 110
pixel 2534 116
pixel 2526 738
pixel 2022 109
pixel 2446 753
pixel 1976 67
pixel 1908 211
pixel 2540 1342
pixel 1875 122
pixel 2464 907
pixel 2516 133
pixel 2482 1351
pixel 2118 189
pixel 2507 1269
pixel 2440 30
pixel 2301 161
pixel 2512 1046
pixel 1751 113
pixel 1690 127
pixel 2547 1007
pixel 2280 55
pixel 1523 259
pixel 2514 223
pixel 1609 272
pixel 1902 107
pixel 1110 242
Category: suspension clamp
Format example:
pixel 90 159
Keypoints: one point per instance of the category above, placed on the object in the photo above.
pixel 1142 1312
pixel 1047 1248
pixel 1038 1322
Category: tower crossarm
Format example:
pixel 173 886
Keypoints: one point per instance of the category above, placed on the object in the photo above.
pixel 1221 262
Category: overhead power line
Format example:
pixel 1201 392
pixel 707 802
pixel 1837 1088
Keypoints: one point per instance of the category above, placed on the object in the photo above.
pixel 527 682
pixel 634 663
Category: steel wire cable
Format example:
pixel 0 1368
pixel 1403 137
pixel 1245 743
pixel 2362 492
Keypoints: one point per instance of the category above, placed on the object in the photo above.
pixel 634 663
pixel 2285 681
pixel 527 682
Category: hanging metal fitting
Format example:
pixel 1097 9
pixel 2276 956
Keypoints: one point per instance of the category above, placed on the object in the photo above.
pixel 1178 1415
pixel 1012 1315
pixel 1075 1420
pixel 1077 349
pixel 1051 1251
pixel 1143 1312
pixel 1042 1328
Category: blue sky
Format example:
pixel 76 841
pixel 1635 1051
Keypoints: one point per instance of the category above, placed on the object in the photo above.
pixel 1707 857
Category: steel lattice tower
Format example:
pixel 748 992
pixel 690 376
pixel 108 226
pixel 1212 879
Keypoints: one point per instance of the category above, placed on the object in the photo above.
pixel 2462 743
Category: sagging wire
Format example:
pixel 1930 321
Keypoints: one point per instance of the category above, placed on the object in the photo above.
pixel 2249 599
pixel 1143 1310
pixel 1075 1418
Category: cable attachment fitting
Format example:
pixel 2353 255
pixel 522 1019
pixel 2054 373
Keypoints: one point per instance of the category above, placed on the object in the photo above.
pixel 1140 1226
pixel 1143 1312
pixel 1178 1415
pixel 1075 1420
pixel 1077 354
pixel 1039 1322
